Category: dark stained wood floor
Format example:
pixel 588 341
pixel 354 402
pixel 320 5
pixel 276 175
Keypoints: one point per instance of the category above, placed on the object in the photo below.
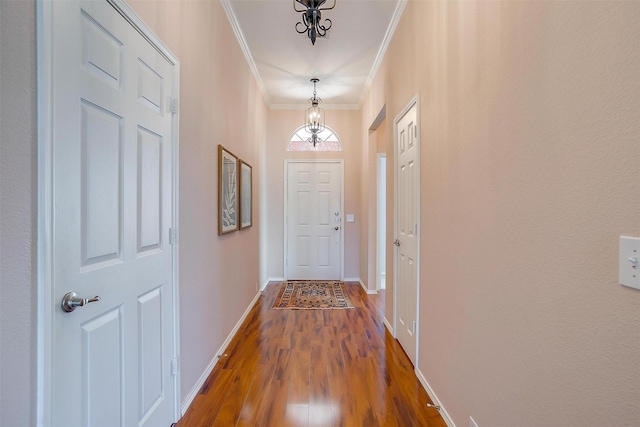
pixel 313 368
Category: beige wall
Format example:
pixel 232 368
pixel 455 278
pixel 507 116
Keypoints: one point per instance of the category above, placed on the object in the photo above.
pixel 367 199
pixel 18 213
pixel 281 125
pixel 530 137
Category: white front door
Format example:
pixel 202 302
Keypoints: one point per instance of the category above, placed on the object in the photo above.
pixel 407 217
pixel 111 169
pixel 314 220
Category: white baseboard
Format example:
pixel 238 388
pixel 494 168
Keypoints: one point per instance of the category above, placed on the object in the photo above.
pixel 194 391
pixel 364 288
pixel 271 279
pixel 367 290
pixel 389 327
pixel 434 398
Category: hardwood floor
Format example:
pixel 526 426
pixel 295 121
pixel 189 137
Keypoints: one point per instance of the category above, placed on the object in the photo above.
pixel 313 368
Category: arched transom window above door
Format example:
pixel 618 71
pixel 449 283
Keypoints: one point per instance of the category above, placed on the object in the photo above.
pixel 300 140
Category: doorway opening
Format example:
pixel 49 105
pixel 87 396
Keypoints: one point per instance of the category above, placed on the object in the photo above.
pixel 379 144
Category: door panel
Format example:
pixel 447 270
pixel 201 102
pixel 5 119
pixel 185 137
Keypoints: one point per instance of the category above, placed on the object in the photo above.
pixel 151 357
pixel 112 197
pixel 314 220
pixel 102 370
pixel 101 148
pixel 149 190
pixel 407 200
pixel 101 51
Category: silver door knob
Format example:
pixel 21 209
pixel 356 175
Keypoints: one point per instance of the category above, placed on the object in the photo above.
pixel 71 300
pixel 396 242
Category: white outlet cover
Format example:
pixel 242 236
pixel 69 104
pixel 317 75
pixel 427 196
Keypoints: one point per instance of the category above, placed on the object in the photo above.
pixel 350 218
pixel 629 272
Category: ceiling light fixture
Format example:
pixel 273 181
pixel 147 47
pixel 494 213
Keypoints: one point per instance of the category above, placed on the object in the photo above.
pixel 314 117
pixel 311 17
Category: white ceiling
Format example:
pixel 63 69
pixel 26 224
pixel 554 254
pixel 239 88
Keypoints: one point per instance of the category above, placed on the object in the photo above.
pixel 284 61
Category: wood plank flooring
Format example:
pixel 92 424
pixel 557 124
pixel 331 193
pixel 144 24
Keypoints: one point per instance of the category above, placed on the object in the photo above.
pixel 304 368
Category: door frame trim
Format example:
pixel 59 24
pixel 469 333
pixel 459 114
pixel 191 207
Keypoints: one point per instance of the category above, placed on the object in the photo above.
pixel 415 101
pixel 287 162
pixel 45 199
pixel 381 238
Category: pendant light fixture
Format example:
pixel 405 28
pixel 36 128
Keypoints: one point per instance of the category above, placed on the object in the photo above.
pixel 312 18
pixel 314 117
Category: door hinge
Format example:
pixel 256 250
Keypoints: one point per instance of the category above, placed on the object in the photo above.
pixel 173 236
pixel 413 327
pixel 174 366
pixel 174 105
pixel 415 131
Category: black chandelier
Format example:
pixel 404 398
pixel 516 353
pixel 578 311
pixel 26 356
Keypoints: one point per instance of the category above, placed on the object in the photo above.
pixel 311 17
pixel 314 117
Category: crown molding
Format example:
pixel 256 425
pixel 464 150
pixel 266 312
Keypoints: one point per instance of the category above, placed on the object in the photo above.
pixel 395 19
pixel 235 25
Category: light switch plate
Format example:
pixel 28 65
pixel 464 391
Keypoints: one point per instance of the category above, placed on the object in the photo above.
pixel 350 218
pixel 629 264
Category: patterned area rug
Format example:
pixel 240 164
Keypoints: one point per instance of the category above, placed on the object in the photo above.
pixel 300 294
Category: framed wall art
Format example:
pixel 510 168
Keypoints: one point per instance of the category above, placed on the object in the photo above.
pixel 246 200
pixel 228 202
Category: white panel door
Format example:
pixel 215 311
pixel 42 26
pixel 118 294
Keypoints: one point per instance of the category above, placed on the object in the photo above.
pixel 314 221
pixel 112 210
pixel 407 217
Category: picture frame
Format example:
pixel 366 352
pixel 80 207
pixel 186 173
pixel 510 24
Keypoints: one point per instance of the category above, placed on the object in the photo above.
pixel 228 200
pixel 246 195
